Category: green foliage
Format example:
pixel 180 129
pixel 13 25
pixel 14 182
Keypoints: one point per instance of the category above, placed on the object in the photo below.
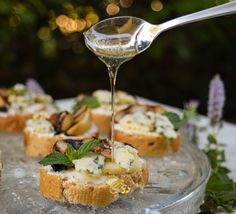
pixel 91 102
pixel 220 189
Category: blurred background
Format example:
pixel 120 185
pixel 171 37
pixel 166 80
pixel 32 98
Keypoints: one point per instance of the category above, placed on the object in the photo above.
pixel 43 40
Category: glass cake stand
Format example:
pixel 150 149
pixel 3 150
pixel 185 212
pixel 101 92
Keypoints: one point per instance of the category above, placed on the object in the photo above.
pixel 177 184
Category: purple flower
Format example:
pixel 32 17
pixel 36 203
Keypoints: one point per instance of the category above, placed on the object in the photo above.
pixel 216 100
pixel 33 87
pixel 192 104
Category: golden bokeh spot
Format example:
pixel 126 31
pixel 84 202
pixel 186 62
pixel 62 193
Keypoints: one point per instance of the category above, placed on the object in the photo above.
pixel 126 3
pixel 18 8
pixel 88 23
pixel 66 24
pixel 81 24
pixel 61 20
pixel 44 33
pixel 156 5
pixel 92 17
pixel 112 9
pixel 14 21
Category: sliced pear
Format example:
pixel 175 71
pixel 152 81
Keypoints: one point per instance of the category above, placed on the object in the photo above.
pixel 67 122
pixel 112 168
pixel 82 125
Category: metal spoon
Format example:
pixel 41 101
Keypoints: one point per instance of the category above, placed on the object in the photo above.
pixel 127 36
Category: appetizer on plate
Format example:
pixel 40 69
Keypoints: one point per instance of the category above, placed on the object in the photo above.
pixel 17 104
pixel 42 131
pixel 100 104
pixel 81 172
pixel 148 129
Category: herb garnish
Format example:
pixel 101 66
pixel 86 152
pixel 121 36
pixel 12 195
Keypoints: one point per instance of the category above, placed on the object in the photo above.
pixel 83 149
pixel 174 119
pixel 220 193
pixel 91 102
pixel 56 158
pixel 71 154
pixel 18 92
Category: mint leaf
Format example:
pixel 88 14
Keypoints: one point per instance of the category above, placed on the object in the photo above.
pixel 56 158
pixel 18 92
pixel 91 102
pixel 174 119
pixel 86 147
pixel 71 152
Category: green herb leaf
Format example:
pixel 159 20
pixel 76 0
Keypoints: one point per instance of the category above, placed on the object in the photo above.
pixel 18 92
pixel 174 119
pixel 86 147
pixel 91 102
pixel 71 152
pixel 212 139
pixel 56 158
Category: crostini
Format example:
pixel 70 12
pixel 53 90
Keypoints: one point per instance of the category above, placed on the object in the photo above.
pixel 100 104
pixel 148 129
pixel 18 104
pixel 42 131
pixel 82 172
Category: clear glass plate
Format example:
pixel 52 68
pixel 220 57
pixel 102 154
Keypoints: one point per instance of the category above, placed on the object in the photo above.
pixel 177 184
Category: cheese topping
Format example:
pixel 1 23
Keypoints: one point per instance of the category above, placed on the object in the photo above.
pixel 91 164
pixel 147 122
pixel 122 100
pixel 21 101
pixel 124 155
pixel 40 126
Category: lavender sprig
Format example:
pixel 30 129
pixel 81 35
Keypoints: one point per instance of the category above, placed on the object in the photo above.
pixel 216 101
pixel 190 129
pixel 34 87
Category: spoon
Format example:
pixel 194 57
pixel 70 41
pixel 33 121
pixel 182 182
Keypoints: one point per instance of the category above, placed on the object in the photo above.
pixel 127 36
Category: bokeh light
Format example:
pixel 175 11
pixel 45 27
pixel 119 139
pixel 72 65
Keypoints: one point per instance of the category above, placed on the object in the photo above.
pixel 112 9
pixel 156 5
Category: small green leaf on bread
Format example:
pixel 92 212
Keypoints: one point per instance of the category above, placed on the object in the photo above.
pixel 174 119
pixel 56 158
pixel 89 101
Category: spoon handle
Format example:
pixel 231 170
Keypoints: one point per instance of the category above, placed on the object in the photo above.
pixel 221 10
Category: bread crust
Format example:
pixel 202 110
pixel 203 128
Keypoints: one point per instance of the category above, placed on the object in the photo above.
pixel 14 123
pixel 149 145
pixel 37 145
pixel 103 122
pixel 56 187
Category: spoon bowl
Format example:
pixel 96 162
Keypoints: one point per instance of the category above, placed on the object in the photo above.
pixel 117 37
pixel 127 36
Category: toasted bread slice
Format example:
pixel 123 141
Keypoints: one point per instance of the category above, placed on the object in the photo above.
pixel 102 121
pixel 42 144
pixel 57 186
pixel 140 119
pixel 149 145
pixel 13 123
